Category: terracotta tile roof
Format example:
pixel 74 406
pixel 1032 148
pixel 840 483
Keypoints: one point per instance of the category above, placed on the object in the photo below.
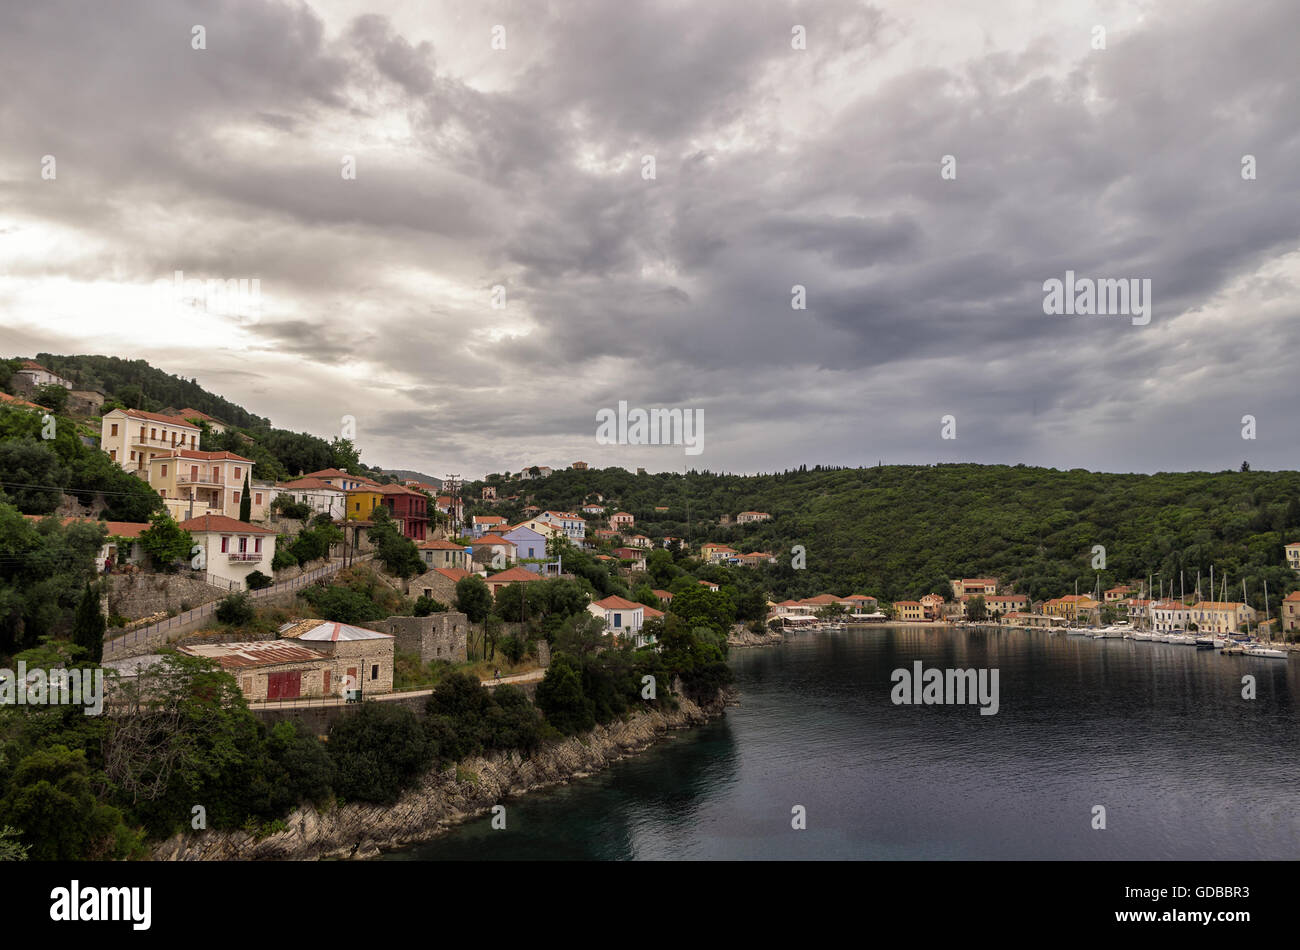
pixel 223 524
pixel 306 483
pixel 566 515
pixel 651 613
pixel 614 602
pixel 257 653
pixel 513 575
pixel 121 529
pixel 202 456
pixel 15 401
pixel 158 417
pixel 493 541
pixel 440 545
pixel 455 573
pixel 188 413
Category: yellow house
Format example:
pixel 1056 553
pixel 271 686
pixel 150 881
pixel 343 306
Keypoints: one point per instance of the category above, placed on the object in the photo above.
pixel 909 610
pixel 132 437
pixel 361 502
pixel 201 482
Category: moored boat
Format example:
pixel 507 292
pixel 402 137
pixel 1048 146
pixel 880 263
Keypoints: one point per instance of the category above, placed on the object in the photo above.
pixel 1266 651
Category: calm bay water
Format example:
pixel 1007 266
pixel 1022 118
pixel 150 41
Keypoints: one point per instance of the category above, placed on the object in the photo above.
pixel 1156 733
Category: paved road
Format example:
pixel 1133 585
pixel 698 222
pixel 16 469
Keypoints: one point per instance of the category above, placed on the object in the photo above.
pixel 533 676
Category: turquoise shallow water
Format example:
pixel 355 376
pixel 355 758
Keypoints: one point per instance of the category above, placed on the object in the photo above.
pixel 1157 734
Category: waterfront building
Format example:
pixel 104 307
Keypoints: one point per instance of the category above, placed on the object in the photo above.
pixel 909 610
pixel 1221 616
pixel 1291 612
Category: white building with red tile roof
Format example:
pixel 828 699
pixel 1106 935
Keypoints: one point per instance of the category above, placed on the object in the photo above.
pixel 574 526
pixel 622 617
pixel 322 497
pixel 229 549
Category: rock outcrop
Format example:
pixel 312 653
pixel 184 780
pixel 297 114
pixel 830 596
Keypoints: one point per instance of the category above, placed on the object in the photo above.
pixel 442 799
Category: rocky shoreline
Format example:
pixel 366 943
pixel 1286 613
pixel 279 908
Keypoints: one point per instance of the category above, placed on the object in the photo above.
pixel 443 799
pixel 741 636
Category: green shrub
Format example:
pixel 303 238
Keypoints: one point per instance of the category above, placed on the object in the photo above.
pixel 378 750
pixel 236 610
pixel 257 581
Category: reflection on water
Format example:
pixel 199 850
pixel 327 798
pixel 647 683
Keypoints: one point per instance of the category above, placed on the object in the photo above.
pixel 1158 734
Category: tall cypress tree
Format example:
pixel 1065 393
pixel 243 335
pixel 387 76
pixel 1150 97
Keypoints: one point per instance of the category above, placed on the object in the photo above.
pixel 245 503
pixel 89 625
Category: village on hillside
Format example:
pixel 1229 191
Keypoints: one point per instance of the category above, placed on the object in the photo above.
pixel 223 531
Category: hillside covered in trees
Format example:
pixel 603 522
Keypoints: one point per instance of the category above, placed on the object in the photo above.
pixel 133 384
pixel 897 532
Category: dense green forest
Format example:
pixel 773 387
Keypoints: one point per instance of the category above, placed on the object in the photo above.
pixel 137 385
pixel 894 532
pixel 899 531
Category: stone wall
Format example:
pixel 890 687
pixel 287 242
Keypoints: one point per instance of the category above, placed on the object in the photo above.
pixel 139 595
pixel 441 636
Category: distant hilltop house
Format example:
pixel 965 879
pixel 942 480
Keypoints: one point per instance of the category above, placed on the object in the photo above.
pixel 579 466
pixel 593 509
pixel 621 520
pixel 1116 594
pixel 713 553
pixel 489 493
pixel 131 437
pixel 31 375
pixel 196 416
pixel 536 471
pixel 749 517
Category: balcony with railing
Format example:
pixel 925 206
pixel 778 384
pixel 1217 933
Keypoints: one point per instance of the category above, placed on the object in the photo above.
pixel 151 443
pixel 245 556
pixel 211 479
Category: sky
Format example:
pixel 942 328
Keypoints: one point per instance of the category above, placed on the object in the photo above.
pixel 459 240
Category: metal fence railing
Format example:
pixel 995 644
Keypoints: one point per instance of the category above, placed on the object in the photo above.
pixel 156 633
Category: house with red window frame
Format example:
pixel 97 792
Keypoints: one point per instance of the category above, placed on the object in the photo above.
pixel 230 549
